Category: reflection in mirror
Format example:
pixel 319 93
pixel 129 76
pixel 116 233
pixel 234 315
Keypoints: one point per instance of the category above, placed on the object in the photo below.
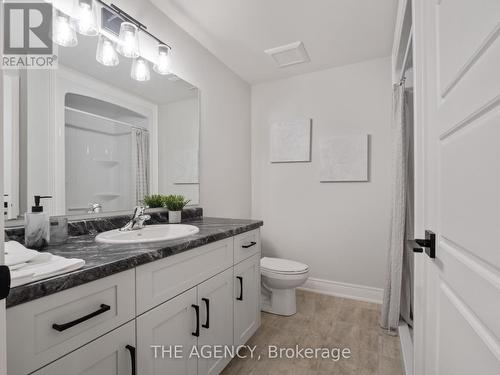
pixel 113 143
pixel 95 139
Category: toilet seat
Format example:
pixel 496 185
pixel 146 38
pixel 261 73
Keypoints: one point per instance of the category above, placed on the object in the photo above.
pixel 281 266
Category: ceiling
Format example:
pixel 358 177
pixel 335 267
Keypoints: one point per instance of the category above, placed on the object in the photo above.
pixel 334 32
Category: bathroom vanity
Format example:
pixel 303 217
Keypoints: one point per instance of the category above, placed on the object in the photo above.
pixel 98 140
pixel 107 317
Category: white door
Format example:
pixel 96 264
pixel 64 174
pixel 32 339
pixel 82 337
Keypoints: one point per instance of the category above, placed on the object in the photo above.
pixel 457 63
pixel 215 298
pixel 170 324
pixel 246 299
pixel 111 354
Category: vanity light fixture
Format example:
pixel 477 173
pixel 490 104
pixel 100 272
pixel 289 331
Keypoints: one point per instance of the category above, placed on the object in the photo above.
pixel 86 18
pixel 63 32
pixel 118 23
pixel 140 70
pixel 106 53
pixel 162 65
pixel 128 40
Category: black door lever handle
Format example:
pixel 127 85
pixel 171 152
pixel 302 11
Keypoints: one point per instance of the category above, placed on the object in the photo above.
pixel 428 243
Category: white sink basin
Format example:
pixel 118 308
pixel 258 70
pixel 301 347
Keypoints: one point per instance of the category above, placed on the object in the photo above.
pixel 150 233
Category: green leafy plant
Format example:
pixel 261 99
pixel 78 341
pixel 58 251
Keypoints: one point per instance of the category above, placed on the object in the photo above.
pixel 154 200
pixel 175 202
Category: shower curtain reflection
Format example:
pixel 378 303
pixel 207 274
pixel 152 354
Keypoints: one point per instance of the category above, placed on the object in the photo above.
pixel 141 158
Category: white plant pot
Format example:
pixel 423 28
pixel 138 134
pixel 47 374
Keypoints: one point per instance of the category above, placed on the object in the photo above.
pixel 174 217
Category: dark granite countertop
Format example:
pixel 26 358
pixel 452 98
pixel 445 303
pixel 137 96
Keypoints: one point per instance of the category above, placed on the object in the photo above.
pixel 103 260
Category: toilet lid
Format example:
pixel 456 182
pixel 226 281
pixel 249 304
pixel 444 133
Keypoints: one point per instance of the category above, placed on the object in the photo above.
pixel 280 265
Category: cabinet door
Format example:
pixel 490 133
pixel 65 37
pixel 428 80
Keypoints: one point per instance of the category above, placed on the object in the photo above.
pixel 170 325
pixel 215 297
pixel 246 299
pixel 108 355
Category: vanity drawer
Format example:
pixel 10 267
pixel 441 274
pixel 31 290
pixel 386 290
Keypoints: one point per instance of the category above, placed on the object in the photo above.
pixel 162 280
pixel 40 331
pixel 246 244
pixel 108 355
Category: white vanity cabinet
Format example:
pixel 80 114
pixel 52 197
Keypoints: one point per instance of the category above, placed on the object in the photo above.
pixel 215 298
pixel 168 325
pixel 246 299
pixel 198 317
pixel 204 297
pixel 45 329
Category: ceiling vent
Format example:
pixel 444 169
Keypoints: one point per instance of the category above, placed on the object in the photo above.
pixel 290 54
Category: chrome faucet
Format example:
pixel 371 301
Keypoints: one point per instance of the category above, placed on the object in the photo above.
pixel 137 221
pixel 94 208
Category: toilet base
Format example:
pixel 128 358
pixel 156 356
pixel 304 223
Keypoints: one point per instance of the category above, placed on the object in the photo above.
pixel 278 301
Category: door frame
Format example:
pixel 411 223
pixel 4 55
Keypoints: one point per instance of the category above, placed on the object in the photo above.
pixel 405 25
pixel 3 328
pixel 421 262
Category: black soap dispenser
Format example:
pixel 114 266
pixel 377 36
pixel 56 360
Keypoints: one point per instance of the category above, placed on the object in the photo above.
pixel 37 226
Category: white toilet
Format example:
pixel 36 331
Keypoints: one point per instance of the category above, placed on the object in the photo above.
pixel 279 278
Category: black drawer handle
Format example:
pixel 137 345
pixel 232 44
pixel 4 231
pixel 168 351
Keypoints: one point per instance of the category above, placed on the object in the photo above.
pixel 207 305
pixel 65 326
pixel 249 245
pixel 133 356
pixel 240 298
pixel 197 310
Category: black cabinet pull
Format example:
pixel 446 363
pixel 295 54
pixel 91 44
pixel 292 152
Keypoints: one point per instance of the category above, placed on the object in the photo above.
pixel 65 326
pixel 133 355
pixel 197 310
pixel 4 282
pixel 207 305
pixel 240 298
pixel 249 245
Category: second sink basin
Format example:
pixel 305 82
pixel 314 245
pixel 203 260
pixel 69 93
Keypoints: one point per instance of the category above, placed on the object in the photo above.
pixel 150 233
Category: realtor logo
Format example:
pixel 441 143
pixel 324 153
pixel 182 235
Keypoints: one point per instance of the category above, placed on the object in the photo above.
pixel 27 36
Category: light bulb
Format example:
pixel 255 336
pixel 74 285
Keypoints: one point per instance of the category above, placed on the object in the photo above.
pixel 140 70
pixel 86 18
pixel 162 65
pixel 106 53
pixel 128 44
pixel 63 32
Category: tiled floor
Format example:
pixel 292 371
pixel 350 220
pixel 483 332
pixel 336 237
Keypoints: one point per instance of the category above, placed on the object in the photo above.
pixel 324 321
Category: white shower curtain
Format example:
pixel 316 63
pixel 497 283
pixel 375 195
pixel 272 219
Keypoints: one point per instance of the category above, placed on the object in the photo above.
pixel 401 134
pixel 141 165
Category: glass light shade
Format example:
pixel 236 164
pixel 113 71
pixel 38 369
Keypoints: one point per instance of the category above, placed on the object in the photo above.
pixel 162 65
pixel 86 18
pixel 140 70
pixel 128 44
pixel 106 53
pixel 63 32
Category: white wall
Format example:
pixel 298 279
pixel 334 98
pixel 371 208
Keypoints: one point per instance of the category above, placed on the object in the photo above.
pixel 339 229
pixel 178 145
pixel 225 114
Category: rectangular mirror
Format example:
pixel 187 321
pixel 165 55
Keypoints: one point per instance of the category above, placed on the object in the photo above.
pixel 92 137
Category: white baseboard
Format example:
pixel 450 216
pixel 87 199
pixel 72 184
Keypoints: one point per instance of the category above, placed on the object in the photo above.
pixel 338 289
pixel 406 348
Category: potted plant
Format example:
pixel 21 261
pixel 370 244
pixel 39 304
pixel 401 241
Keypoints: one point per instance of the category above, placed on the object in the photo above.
pixel 174 204
pixel 154 201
